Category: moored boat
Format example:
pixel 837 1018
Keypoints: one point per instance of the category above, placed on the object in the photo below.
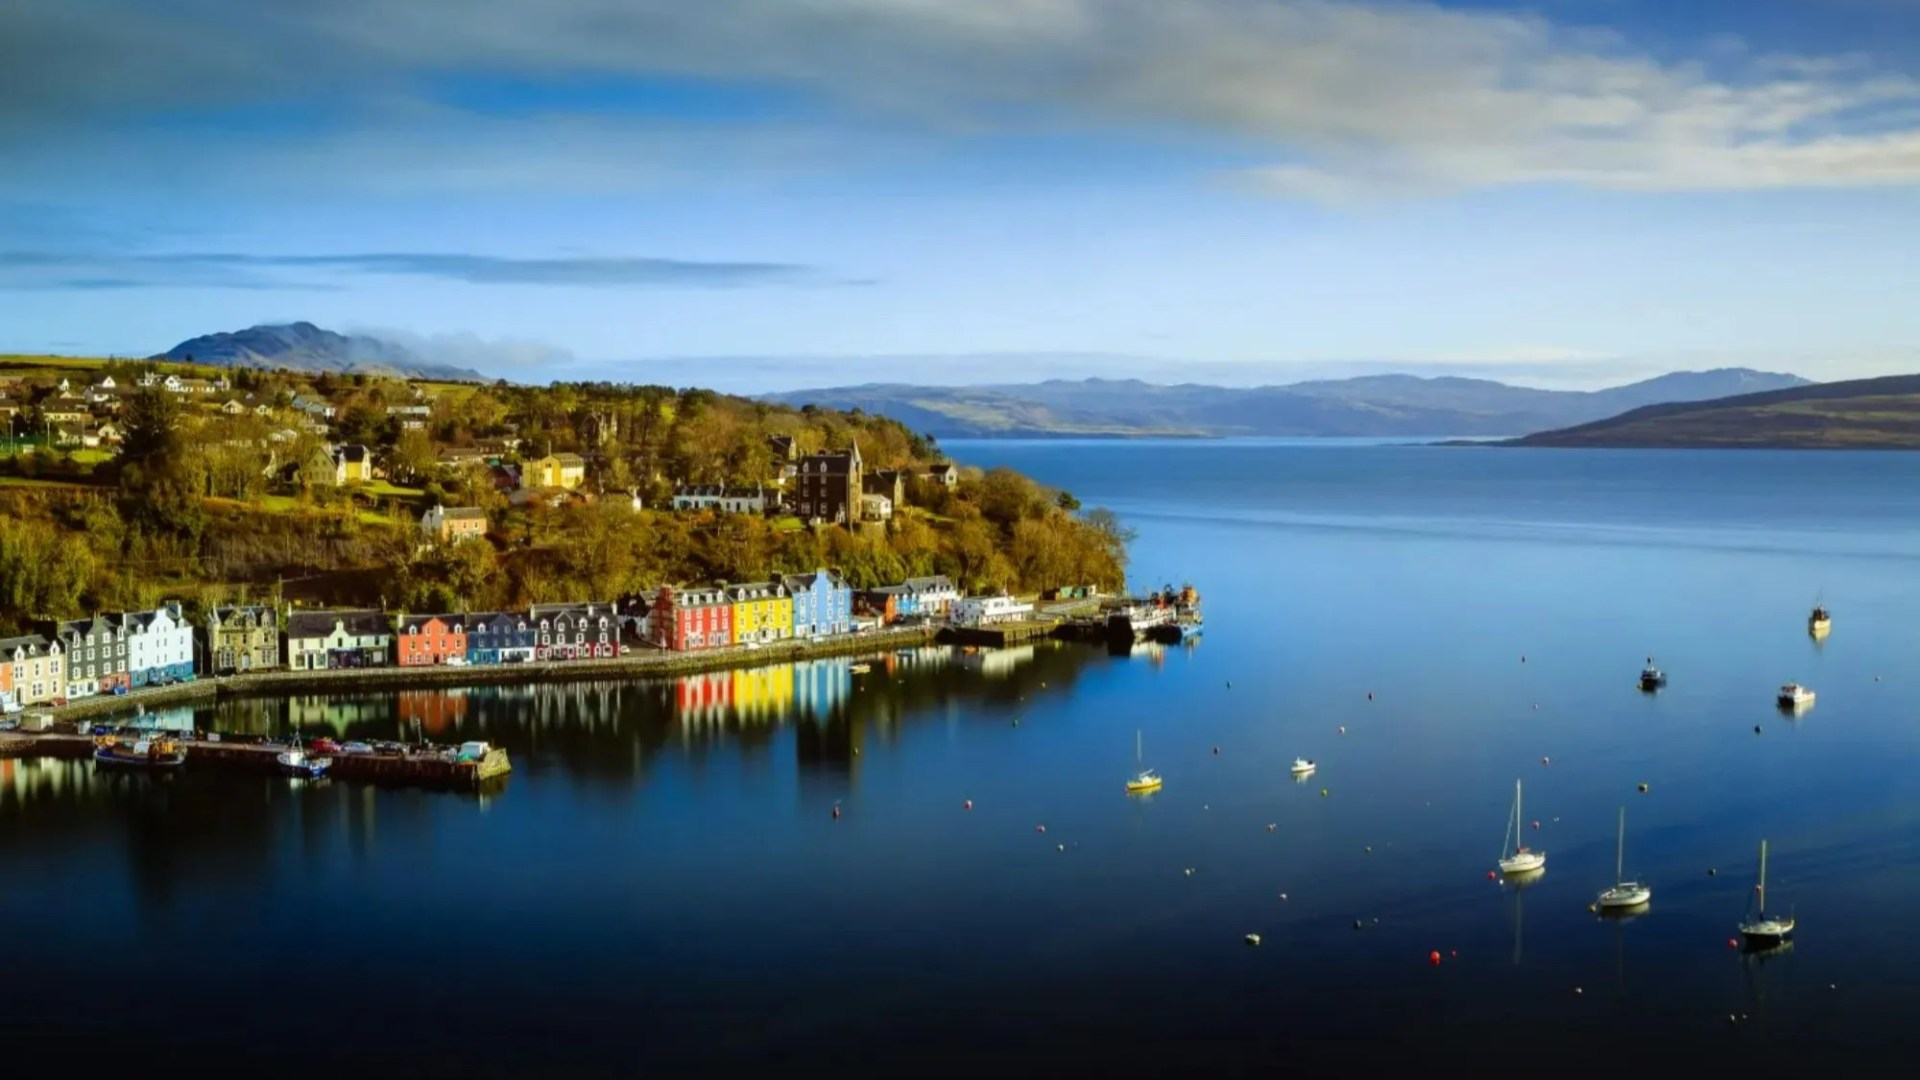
pixel 1794 696
pixel 1146 779
pixel 297 762
pixel 1820 621
pixel 1516 857
pixel 157 753
pixel 1301 766
pixel 1762 931
pixel 1652 678
pixel 1623 895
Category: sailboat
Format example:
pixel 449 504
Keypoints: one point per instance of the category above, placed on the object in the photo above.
pixel 1144 780
pixel 1515 858
pixel 1624 894
pixel 1760 930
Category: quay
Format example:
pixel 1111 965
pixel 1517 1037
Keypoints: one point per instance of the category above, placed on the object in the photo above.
pixel 355 680
pixel 409 769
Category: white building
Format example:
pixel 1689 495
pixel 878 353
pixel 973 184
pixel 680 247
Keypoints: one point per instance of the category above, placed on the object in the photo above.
pixel 986 610
pixel 727 500
pixel 159 645
pixel 876 508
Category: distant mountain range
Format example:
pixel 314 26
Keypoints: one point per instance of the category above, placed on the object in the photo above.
pixel 302 346
pixel 1862 414
pixel 1374 405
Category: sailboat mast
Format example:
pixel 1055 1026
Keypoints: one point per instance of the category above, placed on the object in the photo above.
pixel 1620 850
pixel 1763 878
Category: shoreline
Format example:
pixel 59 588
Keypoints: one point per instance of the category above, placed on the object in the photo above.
pixel 394 677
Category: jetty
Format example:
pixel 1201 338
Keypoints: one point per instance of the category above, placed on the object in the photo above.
pixel 424 767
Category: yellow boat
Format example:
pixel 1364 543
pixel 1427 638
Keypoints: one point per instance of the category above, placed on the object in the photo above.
pixel 1146 779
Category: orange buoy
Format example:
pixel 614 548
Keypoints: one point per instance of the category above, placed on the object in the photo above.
pixel 1434 958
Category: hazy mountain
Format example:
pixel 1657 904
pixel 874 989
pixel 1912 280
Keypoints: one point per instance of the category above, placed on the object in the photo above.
pixel 1373 405
pixel 1879 414
pixel 302 346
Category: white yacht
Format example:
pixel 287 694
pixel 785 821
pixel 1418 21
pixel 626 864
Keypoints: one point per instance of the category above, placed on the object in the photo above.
pixel 1623 894
pixel 1515 857
pixel 1793 696
pixel 1301 766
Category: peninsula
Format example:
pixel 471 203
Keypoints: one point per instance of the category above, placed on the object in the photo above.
pixel 1859 414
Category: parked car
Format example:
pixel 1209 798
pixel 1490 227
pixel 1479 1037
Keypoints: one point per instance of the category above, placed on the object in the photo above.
pixel 456 661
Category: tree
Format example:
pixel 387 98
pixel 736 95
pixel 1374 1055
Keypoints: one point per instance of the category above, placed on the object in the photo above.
pixel 413 458
pixel 150 427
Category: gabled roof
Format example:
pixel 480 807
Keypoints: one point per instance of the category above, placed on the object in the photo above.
pixel 806 582
pixel 419 622
pixel 32 643
pixel 310 624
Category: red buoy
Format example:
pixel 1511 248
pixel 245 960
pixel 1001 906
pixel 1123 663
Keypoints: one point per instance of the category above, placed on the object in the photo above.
pixel 1733 943
pixel 1491 875
pixel 1434 958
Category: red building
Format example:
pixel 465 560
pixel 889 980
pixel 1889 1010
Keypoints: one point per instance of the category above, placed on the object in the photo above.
pixel 691 619
pixel 425 640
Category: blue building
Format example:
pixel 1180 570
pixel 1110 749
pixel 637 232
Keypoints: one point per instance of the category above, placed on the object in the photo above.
pixel 500 638
pixel 822 603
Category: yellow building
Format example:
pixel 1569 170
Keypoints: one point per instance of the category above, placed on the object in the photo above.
pixel 762 611
pixel 554 471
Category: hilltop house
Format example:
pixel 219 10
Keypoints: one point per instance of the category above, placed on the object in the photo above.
pixel 876 508
pixel 159 645
pixel 822 603
pixel 33 670
pixel 829 486
pixel 501 638
pixel 728 500
pixel 567 471
pixel 942 473
pixel 891 483
pixel 352 463
pixel 452 524
pixel 425 640
pixel 240 638
pixel 321 640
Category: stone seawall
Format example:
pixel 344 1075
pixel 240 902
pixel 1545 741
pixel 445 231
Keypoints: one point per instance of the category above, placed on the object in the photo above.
pixel 637 665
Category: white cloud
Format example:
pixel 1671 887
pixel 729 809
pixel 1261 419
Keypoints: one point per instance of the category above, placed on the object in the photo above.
pixel 1353 98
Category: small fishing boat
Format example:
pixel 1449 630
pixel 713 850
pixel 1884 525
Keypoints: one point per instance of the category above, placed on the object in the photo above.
pixel 1515 857
pixel 1820 621
pixel 297 762
pixel 1652 678
pixel 1794 696
pixel 1761 930
pixel 1623 894
pixel 1146 779
pixel 1301 766
pixel 160 753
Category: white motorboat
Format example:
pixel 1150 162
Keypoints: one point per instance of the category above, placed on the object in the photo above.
pixel 297 762
pixel 1623 894
pixel 1515 857
pixel 1794 696
pixel 1301 766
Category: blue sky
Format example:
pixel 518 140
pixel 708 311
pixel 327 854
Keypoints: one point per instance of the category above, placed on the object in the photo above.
pixel 770 194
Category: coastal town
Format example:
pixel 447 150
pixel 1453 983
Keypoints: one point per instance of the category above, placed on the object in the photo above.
pixel 164 522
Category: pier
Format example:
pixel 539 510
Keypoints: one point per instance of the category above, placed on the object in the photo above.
pixel 412 768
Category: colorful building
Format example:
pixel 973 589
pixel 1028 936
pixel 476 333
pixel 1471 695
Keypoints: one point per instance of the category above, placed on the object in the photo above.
pixel 686 619
pixel 322 640
pixel 762 611
pixel 452 524
pixel 159 645
pixel 567 471
pixel 96 655
pixel 822 603
pixel 575 631
pixel 34 670
pixel 501 638
pixel 427 640
pixel 241 638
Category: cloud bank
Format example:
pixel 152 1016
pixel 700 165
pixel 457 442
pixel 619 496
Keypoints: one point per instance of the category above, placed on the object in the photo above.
pixel 76 270
pixel 1332 99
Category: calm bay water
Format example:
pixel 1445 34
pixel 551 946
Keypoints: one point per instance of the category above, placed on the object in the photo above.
pixel 661 884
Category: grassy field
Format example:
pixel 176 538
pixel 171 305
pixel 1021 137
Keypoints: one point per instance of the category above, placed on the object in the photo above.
pixel 44 485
